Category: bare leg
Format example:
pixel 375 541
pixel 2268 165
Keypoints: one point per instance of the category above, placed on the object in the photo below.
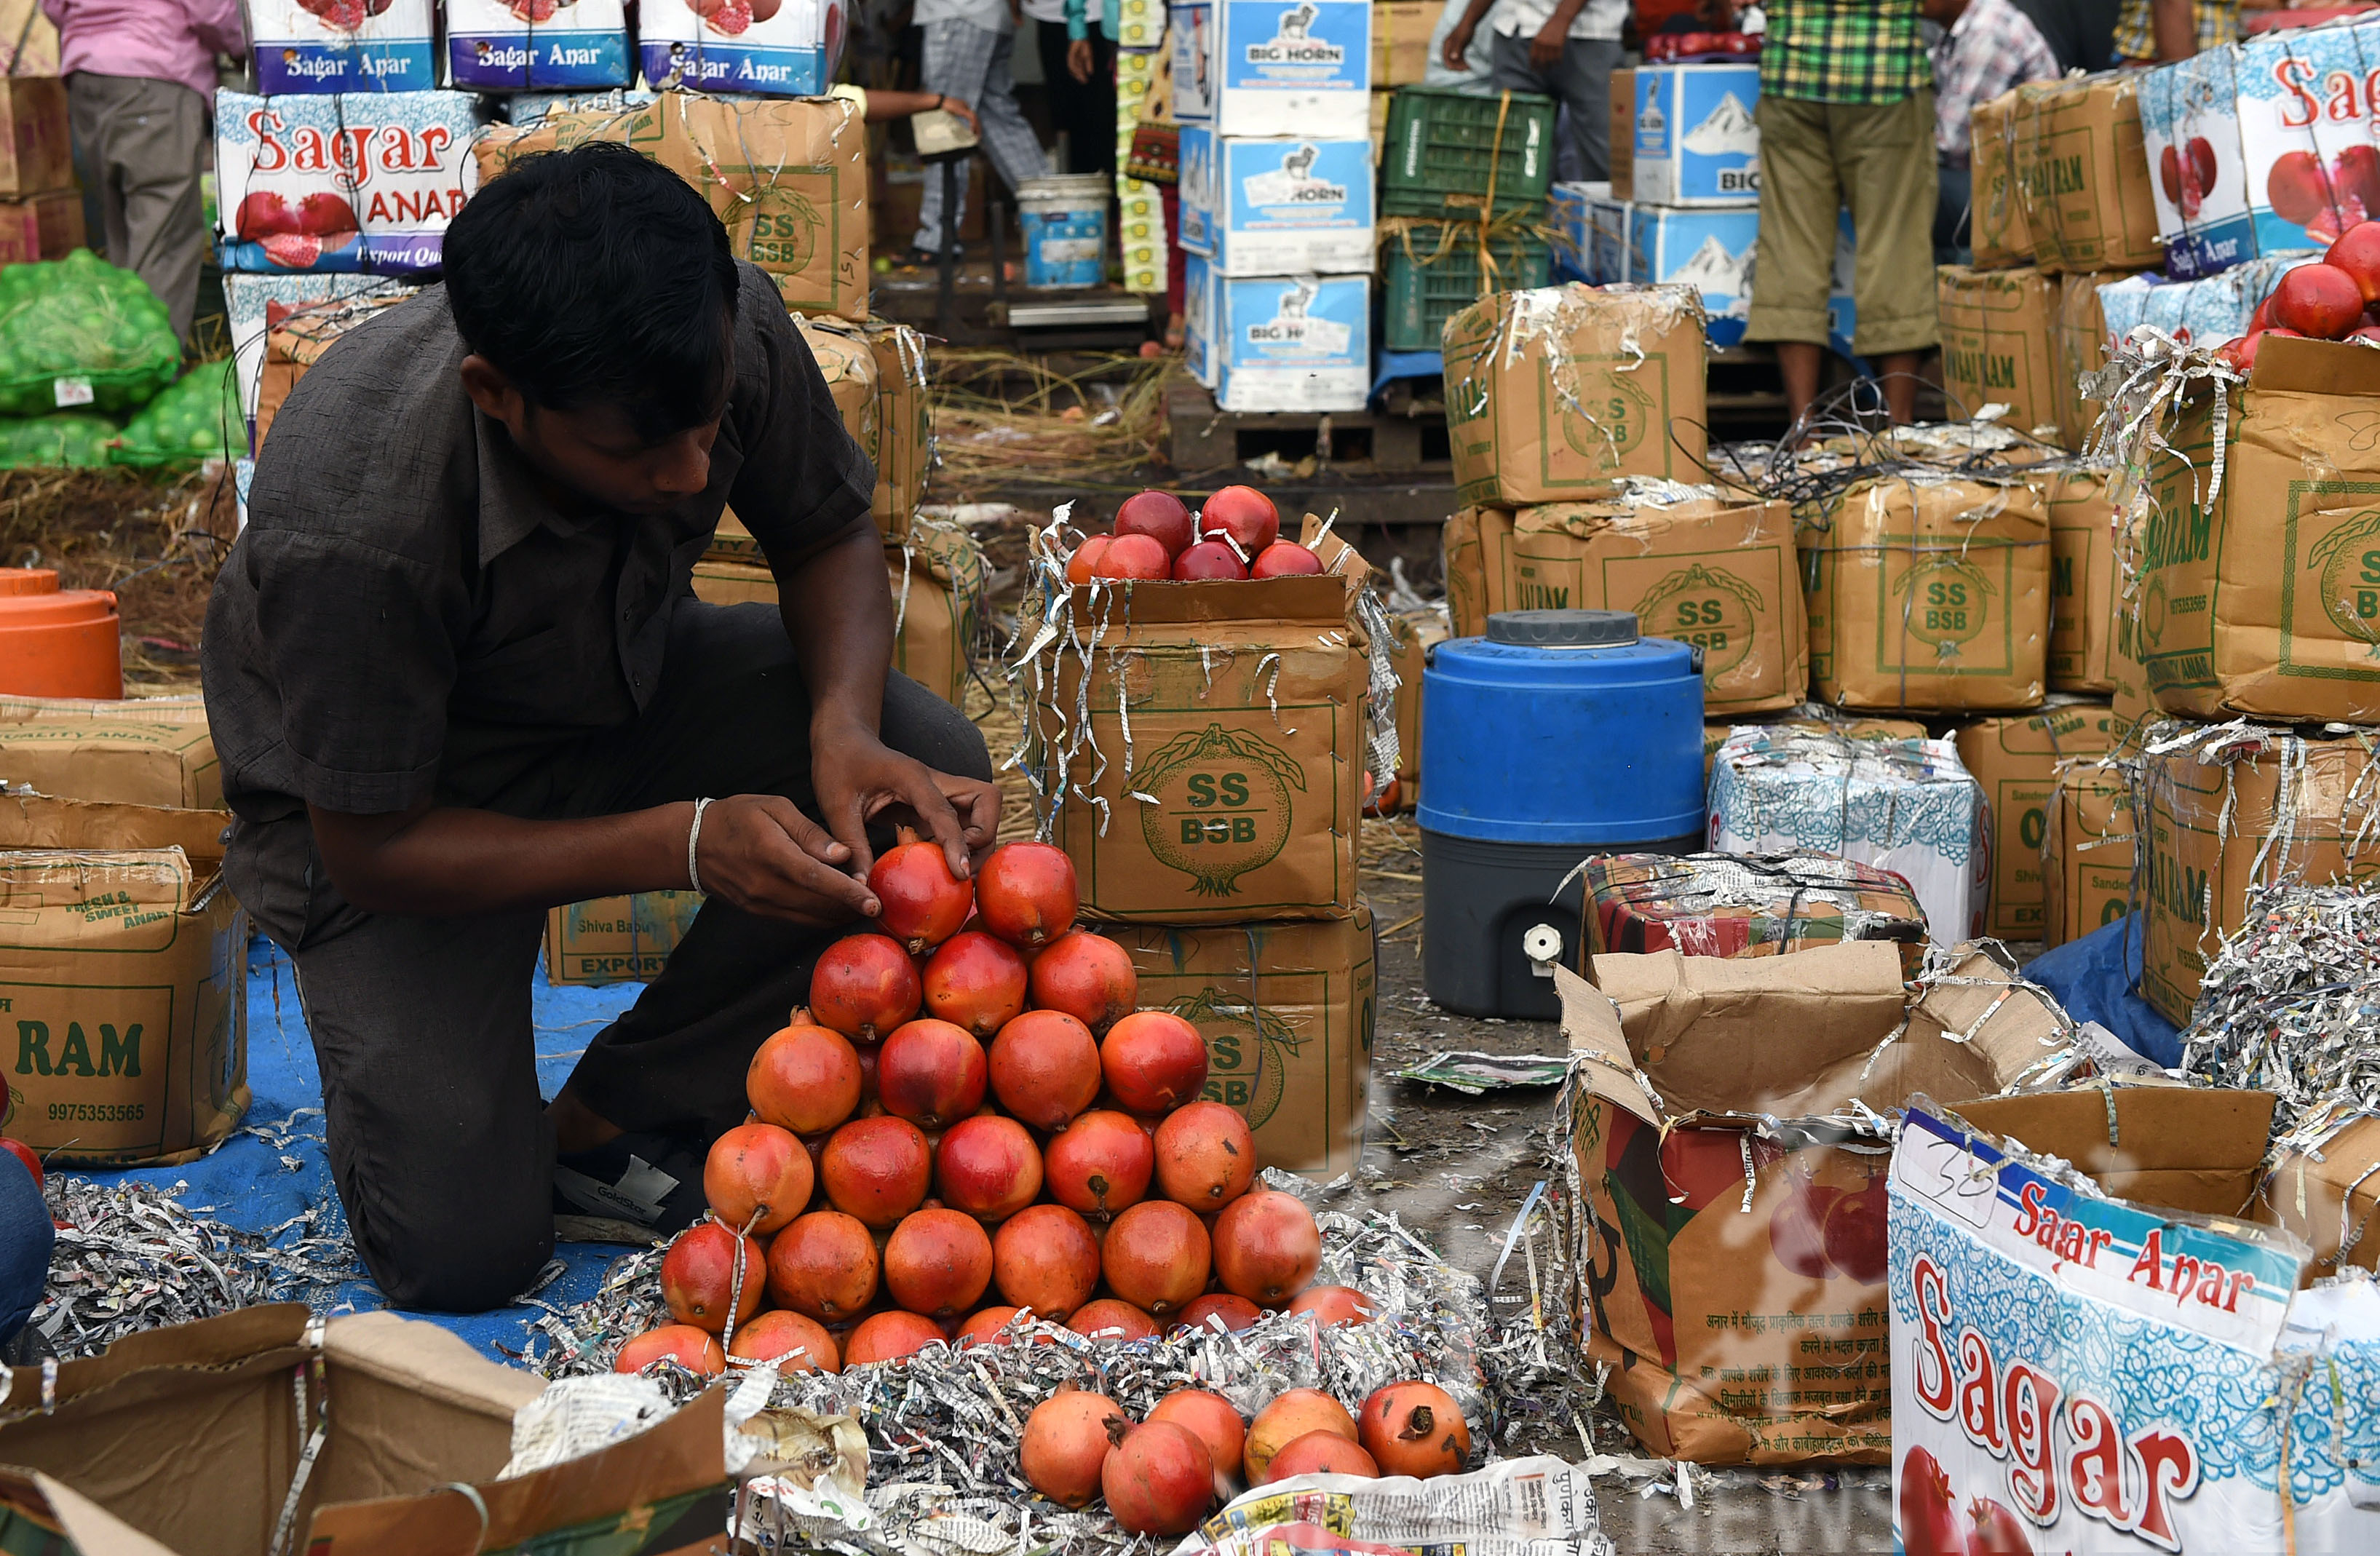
pixel 1798 361
pixel 1898 370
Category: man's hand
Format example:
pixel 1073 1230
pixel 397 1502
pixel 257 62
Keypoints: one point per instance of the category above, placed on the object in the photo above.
pixel 1457 45
pixel 966 113
pixel 1078 59
pixel 760 853
pixel 1546 48
pixel 857 778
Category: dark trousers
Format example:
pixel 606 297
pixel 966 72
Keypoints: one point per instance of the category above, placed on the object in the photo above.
pixel 1085 112
pixel 1580 81
pixel 1951 234
pixel 438 1140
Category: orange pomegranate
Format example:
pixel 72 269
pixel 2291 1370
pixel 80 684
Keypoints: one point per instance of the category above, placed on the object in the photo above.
pixel 823 1265
pixel 1089 977
pixel 1333 1305
pixel 700 1275
pixel 920 901
pixel 1044 1258
pixel 1099 1165
pixel 977 981
pixel 863 987
pixel 757 1169
pixel 984 1328
pixel 1065 1444
pixel 1158 1477
pixel 695 1349
pixel 1414 1428
pixel 1266 1246
pixel 889 1336
pixel 938 1262
pixel 1205 1156
pixel 1045 1068
pixel 1213 1418
pixel 1156 1256
pixel 805 1079
pixel 987 1166
pixel 877 1169
pixel 1026 893
pixel 1234 1313
pixel 1290 1416
pixel 1321 1452
pixel 1111 1318
pixel 1153 1062
pixel 932 1072
pixel 795 1341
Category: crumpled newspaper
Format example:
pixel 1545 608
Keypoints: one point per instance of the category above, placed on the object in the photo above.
pixel 806 1456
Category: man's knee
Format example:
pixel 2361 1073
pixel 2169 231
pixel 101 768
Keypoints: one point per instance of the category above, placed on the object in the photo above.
pixel 920 724
pixel 469 1249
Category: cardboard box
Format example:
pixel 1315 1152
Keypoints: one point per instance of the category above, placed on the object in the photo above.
pixel 2088 852
pixel 904 420
pixel 36 153
pixel 2082 577
pixel 1283 342
pixel 1732 905
pixel 792 52
pixel 492 47
pixel 2189 133
pixel 2206 312
pixel 1140 25
pixel 1277 207
pixel 1929 594
pixel 2128 681
pixel 2262 596
pixel 1554 395
pixel 188 1441
pixel 616 940
pixel 300 49
pixel 1751 1333
pixel 1623 134
pixel 1418 632
pixel 1996 228
pixel 1267 68
pixel 286 201
pixel 2305 134
pixel 847 362
pixel 1709 249
pixel 789 178
pixel 2235 805
pixel 2079 344
pixel 2079 159
pixel 1401 30
pixel 1191 64
pixel 153 752
pixel 2077 1371
pixel 1287 1010
pixel 734 583
pixel 124 970
pixel 1696 142
pixel 253 304
pixel 1995 344
pixel 42 227
pixel 2324 1190
pixel 2017 761
pixel 1712 572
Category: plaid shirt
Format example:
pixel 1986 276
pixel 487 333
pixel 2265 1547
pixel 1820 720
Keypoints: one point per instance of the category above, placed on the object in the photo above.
pixel 2215 22
pixel 1842 51
pixel 1990 49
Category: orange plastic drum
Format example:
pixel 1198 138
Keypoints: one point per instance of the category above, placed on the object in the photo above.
pixel 57 642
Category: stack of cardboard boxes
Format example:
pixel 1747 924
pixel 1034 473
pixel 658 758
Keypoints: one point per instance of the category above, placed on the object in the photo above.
pixel 40 207
pixel 1684 206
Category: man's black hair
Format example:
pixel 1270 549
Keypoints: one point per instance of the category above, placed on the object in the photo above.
pixel 598 276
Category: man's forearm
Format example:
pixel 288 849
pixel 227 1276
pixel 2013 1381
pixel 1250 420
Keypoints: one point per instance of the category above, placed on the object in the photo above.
pixel 1564 14
pixel 449 861
pixel 1472 16
pixel 2175 30
pixel 837 613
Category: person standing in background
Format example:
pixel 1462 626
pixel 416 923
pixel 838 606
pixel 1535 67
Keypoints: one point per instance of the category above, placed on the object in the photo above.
pixel 140 90
pixel 1078 63
pixel 1565 49
pixel 1987 47
pixel 2081 33
pixel 2155 31
pixel 969 46
pixel 1846 118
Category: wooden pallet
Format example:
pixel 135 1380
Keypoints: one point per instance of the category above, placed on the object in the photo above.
pixel 1203 436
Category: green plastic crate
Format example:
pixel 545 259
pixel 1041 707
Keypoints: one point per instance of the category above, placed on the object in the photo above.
pixel 1424 293
pixel 1441 145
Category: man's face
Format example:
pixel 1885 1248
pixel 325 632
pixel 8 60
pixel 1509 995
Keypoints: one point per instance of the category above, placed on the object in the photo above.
pixel 596 450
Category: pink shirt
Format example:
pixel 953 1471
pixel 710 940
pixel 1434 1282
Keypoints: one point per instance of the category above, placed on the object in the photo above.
pixel 164 40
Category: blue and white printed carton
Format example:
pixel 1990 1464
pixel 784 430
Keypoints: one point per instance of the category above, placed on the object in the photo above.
pixel 253 304
pixel 343 46
pixel 2189 125
pixel 1291 342
pixel 538 46
pixel 1198 311
pixel 1608 222
pixel 2073 1372
pixel 1276 207
pixel 1697 140
pixel 1193 61
pixel 1278 67
pixel 1842 311
pixel 1709 249
pixel 790 50
pixel 2312 169
pixel 2206 312
pixel 363 181
pixel 1573 230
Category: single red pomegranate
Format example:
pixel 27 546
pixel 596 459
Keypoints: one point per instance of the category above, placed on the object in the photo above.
pixel 1234 1313
pixel 985 1327
pixel 700 1273
pixel 1214 1420
pixel 695 1349
pixel 1099 1165
pixel 1089 977
pixel 1113 1318
pixel 889 1336
pixel 1153 1062
pixel 920 901
pixel 1321 1452
pixel 878 1170
pixel 1414 1428
pixel 1156 1256
pixel 988 1167
pixel 2357 253
pixel 932 1072
pixel 1205 1156
pixel 1026 893
pixel 1084 565
pixel 977 981
pixel 1209 562
pixel 793 1340
pixel 1159 1477
pixel 1333 1305
pixel 1132 556
pixel 2320 300
pixel 1065 1444
pixel 937 1263
pixel 1045 1068
pixel 863 987
pixel 1045 1257
pixel 1158 515
pixel 823 1265
pixel 1246 515
pixel 1284 559
pixel 1290 1416
pixel 757 1169
pixel 805 1079
pixel 1266 1246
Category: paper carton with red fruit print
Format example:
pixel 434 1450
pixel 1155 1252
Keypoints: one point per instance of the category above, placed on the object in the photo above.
pixel 774 48
pixel 538 46
pixel 2306 116
pixel 2078 1372
pixel 2190 130
pixel 365 181
pixel 343 46
pixel 1728 1121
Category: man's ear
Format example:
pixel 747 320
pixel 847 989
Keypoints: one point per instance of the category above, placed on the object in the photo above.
pixel 493 392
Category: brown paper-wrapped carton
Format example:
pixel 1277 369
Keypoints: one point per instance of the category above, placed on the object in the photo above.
pixel 2087 853
pixel 2082 577
pixel 876 371
pixel 2016 760
pixel 1929 593
pixel 2078 345
pixel 1711 571
pixel 1555 394
pixel 1995 344
pixel 2082 172
pixel 1417 632
pixel 2262 595
pixel 2325 1188
pixel 2235 805
pixel 1997 229
pixel 1753 1331
pixel 148 751
pixel 616 940
pixel 788 175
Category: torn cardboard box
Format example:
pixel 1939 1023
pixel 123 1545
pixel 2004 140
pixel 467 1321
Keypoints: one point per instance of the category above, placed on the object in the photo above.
pixel 1997 227
pixel 2088 852
pixel 1552 395
pixel 1692 565
pixel 2017 761
pixel 1287 1009
pixel 1746 1320
pixel 616 940
pixel 152 750
pixel 1929 593
pixel 2082 174
pixel 2324 1188
pixel 847 363
pixel 123 980
pixel 1995 344
pixel 1743 905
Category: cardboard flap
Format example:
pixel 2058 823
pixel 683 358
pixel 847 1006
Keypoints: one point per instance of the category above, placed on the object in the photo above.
pixel 39 821
pixel 2315 367
pixel 186 709
pixel 227 1337
pixel 2183 1143
pixel 1339 558
pixel 2008 1024
pixel 429 1360
pixel 92 1528
pixel 1590 1023
pixel 1321 599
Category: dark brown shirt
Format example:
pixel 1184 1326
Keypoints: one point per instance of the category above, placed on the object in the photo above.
pixel 408 616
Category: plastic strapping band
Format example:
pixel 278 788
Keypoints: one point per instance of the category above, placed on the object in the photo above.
pixel 287 1524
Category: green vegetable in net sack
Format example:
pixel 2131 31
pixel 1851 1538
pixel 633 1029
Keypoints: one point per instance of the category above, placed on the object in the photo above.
pixel 196 418
pixel 78 332
pixel 54 442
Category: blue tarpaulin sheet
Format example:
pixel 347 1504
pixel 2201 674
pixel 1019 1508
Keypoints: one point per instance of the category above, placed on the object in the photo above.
pixel 252 1184
pixel 2098 978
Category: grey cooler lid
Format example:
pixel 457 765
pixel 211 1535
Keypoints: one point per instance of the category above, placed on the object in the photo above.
pixel 1563 629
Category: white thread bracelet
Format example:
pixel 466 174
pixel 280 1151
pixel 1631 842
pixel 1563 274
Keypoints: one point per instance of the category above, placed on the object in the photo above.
pixel 693 839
